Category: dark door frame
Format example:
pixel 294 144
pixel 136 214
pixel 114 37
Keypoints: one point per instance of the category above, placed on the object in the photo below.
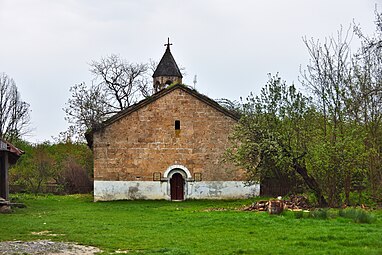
pixel 177 187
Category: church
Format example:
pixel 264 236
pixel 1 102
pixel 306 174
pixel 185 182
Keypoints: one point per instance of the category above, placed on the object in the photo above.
pixel 168 146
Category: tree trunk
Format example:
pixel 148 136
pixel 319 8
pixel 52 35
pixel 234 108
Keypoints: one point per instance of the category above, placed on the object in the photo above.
pixel 347 188
pixel 312 184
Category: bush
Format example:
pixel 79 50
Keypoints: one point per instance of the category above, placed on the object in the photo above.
pixel 52 168
pixel 299 214
pixel 76 178
pixel 357 215
pixel 322 214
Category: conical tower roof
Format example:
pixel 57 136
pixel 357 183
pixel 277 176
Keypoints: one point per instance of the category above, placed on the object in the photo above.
pixel 167 65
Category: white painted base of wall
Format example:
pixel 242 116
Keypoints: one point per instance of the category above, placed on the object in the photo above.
pixel 151 190
pixel 221 190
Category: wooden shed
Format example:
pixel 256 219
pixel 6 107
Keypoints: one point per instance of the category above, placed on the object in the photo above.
pixel 9 154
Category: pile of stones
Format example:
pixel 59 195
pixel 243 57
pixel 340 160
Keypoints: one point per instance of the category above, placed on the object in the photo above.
pixel 45 247
pixel 5 206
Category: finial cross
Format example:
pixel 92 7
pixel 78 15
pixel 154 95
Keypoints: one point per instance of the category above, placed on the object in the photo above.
pixel 168 42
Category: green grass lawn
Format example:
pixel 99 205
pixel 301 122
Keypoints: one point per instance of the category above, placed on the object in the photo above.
pixel 164 227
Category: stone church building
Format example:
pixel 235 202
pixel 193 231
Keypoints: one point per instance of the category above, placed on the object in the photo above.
pixel 168 146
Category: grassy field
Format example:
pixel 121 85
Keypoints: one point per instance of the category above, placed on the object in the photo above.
pixel 190 227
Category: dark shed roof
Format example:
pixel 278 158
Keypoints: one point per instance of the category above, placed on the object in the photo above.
pixel 167 66
pixel 15 152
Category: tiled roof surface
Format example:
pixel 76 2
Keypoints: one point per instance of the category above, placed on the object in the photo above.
pixel 167 66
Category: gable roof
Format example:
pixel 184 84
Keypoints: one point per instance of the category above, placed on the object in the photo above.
pixel 160 94
pixel 167 66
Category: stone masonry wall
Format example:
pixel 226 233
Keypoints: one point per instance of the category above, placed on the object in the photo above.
pixel 145 141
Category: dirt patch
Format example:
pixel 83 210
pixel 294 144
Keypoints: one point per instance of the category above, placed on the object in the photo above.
pixel 45 247
pixel 45 233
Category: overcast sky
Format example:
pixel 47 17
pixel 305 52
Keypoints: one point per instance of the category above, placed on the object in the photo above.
pixel 46 45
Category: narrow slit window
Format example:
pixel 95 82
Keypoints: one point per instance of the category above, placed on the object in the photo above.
pixel 177 125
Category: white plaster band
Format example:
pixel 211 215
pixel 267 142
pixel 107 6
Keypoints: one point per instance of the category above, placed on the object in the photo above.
pixel 173 167
pixel 151 190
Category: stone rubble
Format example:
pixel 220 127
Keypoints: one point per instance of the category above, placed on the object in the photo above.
pixel 295 203
pixel 4 206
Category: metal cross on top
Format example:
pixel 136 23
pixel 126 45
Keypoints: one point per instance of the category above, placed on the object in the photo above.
pixel 168 42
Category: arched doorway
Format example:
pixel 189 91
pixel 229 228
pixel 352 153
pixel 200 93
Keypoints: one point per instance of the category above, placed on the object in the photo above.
pixel 177 187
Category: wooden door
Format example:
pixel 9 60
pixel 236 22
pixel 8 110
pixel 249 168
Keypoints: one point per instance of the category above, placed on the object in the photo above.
pixel 177 187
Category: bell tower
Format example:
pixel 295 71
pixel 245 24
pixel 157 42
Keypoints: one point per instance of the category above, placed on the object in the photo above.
pixel 167 71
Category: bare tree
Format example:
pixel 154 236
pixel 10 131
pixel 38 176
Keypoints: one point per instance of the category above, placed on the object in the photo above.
pixel 87 107
pixel 232 106
pixel 123 82
pixel 117 85
pixel 329 76
pixel 14 113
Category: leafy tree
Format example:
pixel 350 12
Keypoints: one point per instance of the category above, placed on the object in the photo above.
pixel 329 77
pixel 347 90
pixel 331 140
pixel 68 165
pixel 74 166
pixel 34 169
pixel 337 165
pixel 367 99
pixel 14 113
pixel 273 134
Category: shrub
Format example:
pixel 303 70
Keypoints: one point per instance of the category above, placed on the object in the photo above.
pixel 357 215
pixel 322 214
pixel 299 214
pixel 76 178
pixel 52 168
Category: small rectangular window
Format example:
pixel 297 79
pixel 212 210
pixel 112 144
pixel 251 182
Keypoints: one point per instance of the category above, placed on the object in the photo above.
pixel 177 125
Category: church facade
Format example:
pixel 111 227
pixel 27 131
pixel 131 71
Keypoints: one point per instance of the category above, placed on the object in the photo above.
pixel 168 146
